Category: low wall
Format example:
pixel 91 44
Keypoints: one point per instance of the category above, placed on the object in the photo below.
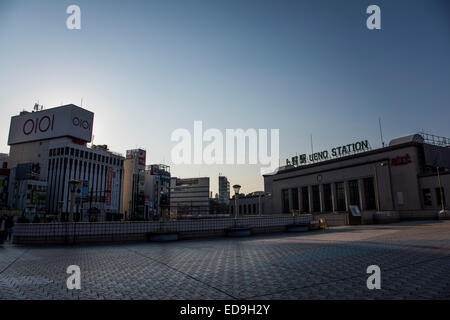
pixel 84 232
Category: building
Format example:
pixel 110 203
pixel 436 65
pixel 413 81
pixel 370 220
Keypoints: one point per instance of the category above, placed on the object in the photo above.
pixel 157 189
pixel 402 178
pixel 224 190
pixel 189 196
pixel 4 180
pixel 54 143
pixel 255 203
pixel 134 185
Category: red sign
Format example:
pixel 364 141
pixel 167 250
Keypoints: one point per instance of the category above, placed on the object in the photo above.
pixel 142 161
pixel 397 161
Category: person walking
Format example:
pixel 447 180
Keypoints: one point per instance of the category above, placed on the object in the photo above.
pixel 9 227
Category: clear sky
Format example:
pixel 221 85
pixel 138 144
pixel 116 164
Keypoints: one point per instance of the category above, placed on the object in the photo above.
pixel 149 67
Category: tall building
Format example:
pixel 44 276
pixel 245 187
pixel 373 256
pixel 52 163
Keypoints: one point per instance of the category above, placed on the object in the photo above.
pixel 224 190
pixel 4 180
pixel 134 185
pixel 53 142
pixel 157 189
pixel 189 196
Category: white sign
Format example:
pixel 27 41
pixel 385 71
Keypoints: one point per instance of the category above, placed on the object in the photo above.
pixel 57 122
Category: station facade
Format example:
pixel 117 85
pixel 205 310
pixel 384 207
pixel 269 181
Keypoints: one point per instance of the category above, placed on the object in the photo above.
pixel 410 176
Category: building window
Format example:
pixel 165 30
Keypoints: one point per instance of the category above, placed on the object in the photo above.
pixel 438 196
pixel 294 198
pixel 316 198
pixel 354 192
pixel 285 200
pixel 254 208
pixel 77 153
pixel 369 193
pixel 240 209
pixel 81 154
pixel 305 199
pixel 71 151
pixel 327 200
pixel 340 196
pixel 427 197
pixel 50 152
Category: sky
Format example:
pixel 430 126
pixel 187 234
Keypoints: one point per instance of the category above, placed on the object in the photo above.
pixel 147 68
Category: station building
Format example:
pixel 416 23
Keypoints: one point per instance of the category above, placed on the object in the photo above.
pixel 410 177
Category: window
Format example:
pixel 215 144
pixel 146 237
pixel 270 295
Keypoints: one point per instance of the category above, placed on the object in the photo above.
pixel 327 199
pixel 305 199
pixel 77 153
pixel 81 154
pixel 340 196
pixel 254 208
pixel 71 151
pixel 50 152
pixel 438 197
pixel 66 151
pixel 354 192
pixel 285 200
pixel 369 193
pixel 294 198
pixel 316 198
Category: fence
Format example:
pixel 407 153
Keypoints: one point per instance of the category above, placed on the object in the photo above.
pixel 82 232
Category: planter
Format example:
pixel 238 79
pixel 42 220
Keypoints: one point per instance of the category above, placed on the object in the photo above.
pixel 297 228
pixel 163 236
pixel 239 232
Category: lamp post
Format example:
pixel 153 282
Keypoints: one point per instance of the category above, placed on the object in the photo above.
pixel 236 188
pixel 376 184
pixel 441 191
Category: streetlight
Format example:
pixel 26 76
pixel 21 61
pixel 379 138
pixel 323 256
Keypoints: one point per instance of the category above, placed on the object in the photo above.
pixel 72 186
pixel 236 188
pixel 382 164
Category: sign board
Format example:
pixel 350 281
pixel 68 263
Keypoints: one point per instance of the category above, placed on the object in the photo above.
pixel 336 152
pixel 69 120
pixel 355 211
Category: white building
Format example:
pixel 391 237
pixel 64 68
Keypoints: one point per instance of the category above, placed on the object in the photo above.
pixel 55 141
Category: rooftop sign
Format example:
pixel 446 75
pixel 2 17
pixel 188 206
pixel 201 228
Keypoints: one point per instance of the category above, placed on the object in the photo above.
pixel 65 121
pixel 336 152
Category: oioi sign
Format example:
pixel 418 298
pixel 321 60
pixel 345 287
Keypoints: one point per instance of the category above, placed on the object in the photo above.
pixel 69 120
pixel 336 152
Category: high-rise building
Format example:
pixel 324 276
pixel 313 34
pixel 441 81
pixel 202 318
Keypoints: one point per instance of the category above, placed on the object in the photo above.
pixel 134 185
pixel 53 142
pixel 224 190
pixel 189 196
pixel 157 189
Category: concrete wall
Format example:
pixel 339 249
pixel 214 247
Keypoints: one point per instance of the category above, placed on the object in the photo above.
pixel 69 233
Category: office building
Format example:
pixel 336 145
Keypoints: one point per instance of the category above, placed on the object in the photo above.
pixel 53 142
pixel 157 190
pixel 189 196
pixel 224 190
pixel 134 185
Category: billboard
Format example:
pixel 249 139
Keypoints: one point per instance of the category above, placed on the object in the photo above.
pixel 63 121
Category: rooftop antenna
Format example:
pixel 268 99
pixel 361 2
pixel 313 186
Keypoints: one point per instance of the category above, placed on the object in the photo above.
pixel 381 131
pixel 312 146
pixel 81 102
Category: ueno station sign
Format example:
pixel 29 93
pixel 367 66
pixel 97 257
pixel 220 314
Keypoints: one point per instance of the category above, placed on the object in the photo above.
pixel 336 152
pixel 65 121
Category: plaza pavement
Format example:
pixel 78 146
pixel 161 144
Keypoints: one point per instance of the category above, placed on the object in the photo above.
pixel 414 258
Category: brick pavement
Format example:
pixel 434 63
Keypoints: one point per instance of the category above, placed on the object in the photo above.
pixel 414 258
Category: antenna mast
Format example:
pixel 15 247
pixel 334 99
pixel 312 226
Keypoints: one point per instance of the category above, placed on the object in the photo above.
pixel 381 131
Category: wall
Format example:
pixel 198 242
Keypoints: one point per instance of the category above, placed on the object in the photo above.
pixel 70 233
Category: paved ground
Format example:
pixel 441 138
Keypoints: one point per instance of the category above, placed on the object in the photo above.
pixel 414 258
